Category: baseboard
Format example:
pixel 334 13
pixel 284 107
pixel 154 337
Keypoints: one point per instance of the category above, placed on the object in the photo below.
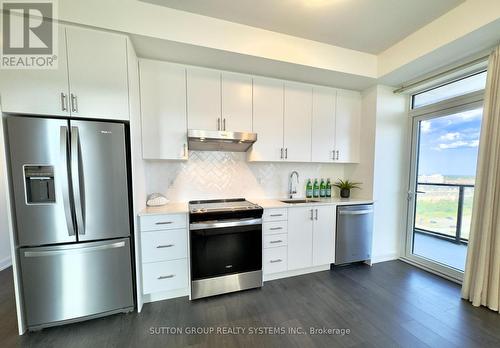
pixel 5 262
pixel 297 272
pixel 165 295
pixel 384 258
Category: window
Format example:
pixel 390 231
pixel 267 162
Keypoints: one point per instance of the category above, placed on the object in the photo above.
pixel 463 86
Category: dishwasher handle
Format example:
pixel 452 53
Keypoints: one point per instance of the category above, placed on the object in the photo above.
pixel 356 212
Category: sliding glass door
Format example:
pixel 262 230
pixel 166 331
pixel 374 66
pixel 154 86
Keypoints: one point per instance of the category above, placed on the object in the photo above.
pixel 441 189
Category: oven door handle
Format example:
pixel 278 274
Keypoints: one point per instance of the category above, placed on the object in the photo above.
pixel 217 224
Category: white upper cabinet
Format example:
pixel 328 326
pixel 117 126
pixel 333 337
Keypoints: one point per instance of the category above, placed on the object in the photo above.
pixel 90 81
pixel 204 99
pixel 267 120
pixel 297 122
pixel 163 110
pixel 97 74
pixel 347 126
pixel 300 237
pixel 36 91
pixel 323 124
pixel 236 102
pixel 324 235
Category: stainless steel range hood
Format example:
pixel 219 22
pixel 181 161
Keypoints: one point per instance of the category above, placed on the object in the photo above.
pixel 220 140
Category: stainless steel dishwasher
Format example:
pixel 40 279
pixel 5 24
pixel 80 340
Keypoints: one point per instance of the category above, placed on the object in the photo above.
pixel 353 241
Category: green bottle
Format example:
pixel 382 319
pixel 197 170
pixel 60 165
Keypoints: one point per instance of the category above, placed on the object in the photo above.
pixel 328 188
pixel 316 188
pixel 309 189
pixel 322 188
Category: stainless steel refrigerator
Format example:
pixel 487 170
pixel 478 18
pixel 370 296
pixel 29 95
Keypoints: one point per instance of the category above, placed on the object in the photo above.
pixel 71 198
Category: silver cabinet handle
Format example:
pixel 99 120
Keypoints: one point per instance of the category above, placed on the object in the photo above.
pixel 218 123
pixel 275 215
pixel 333 155
pixel 277 260
pixel 337 155
pixel 286 153
pixel 316 218
pixel 185 150
pixel 74 103
pixel 275 228
pixel 163 223
pixel 276 241
pixel 164 246
pixel 281 155
pixel 166 277
pixel 64 102
pixel 311 214
pixel 76 175
pixel 224 124
pixel 65 180
pixel 71 249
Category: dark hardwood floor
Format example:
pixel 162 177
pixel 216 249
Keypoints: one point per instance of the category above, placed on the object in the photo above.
pixel 388 305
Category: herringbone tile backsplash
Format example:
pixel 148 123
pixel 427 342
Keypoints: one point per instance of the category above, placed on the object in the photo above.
pixel 211 175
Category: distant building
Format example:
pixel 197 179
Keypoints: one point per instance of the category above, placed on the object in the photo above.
pixel 434 178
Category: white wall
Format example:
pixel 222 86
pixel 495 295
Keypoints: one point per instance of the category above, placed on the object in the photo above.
pixel 211 175
pixel 390 175
pixel 5 259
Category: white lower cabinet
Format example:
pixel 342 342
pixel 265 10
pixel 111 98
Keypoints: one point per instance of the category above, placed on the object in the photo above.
pixel 300 229
pixel 311 232
pixel 165 276
pixel 324 235
pixel 275 260
pixel 163 245
pixel 164 251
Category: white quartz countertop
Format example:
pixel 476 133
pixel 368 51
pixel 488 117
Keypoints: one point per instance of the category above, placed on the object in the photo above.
pixel 277 203
pixel 183 207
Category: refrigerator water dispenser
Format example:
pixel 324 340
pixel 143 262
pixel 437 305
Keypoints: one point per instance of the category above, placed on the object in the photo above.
pixel 39 184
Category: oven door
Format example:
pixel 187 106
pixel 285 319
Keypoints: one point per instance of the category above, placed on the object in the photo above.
pixel 225 248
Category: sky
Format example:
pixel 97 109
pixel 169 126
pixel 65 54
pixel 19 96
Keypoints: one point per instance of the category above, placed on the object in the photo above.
pixel 449 145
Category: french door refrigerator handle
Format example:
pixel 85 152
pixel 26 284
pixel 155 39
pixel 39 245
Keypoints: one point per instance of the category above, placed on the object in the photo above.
pixel 77 250
pixel 65 180
pixel 75 174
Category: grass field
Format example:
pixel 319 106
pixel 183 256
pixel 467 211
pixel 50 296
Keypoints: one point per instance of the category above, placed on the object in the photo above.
pixel 437 209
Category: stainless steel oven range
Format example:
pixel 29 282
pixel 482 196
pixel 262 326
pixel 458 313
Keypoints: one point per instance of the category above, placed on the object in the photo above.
pixel 226 246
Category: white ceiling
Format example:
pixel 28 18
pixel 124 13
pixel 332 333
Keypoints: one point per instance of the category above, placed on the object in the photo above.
pixel 364 25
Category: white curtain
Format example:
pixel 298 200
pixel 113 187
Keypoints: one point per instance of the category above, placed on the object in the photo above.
pixel 481 283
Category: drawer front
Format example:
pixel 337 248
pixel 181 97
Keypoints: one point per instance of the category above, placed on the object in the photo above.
pixel 164 245
pixel 164 276
pixel 275 227
pixel 275 260
pixel 275 240
pixel 275 214
pixel 163 222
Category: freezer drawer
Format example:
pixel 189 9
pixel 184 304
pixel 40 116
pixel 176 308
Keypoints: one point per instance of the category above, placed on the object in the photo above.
pixel 354 233
pixel 67 282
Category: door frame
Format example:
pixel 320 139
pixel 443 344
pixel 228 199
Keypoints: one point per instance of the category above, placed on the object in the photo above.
pixel 448 107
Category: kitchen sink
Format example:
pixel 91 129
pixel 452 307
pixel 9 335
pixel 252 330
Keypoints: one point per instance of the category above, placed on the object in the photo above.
pixel 297 201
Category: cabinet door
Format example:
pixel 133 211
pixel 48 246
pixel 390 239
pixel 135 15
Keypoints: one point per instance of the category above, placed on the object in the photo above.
pixel 267 120
pixel 40 92
pixel 163 110
pixel 300 239
pixel 323 124
pixel 297 124
pixel 347 132
pixel 97 74
pixel 204 99
pixel 323 235
pixel 236 102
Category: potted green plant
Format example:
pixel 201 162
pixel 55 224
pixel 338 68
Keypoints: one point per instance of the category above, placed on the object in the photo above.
pixel 346 186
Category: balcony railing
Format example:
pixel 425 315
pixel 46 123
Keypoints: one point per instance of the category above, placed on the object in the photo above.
pixel 444 203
